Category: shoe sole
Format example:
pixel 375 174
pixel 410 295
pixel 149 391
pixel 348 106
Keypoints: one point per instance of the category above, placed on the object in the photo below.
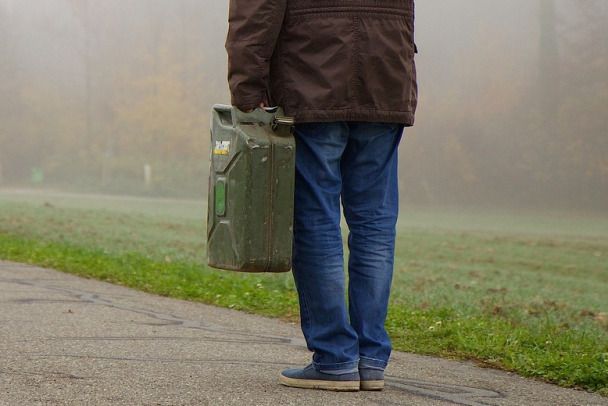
pixel 372 385
pixel 342 386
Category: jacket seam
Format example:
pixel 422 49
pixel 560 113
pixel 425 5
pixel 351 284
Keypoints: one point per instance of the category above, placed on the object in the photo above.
pixel 355 80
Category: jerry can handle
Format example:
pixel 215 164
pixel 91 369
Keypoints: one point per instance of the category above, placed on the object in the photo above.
pixel 283 120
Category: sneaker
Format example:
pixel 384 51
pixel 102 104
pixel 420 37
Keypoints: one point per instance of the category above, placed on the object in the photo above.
pixel 371 379
pixel 310 378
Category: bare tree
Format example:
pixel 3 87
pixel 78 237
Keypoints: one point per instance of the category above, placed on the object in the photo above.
pixel 549 62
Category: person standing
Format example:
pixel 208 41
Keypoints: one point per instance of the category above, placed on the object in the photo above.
pixel 345 70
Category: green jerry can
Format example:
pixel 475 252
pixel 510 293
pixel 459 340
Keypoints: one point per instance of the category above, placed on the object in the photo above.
pixel 251 186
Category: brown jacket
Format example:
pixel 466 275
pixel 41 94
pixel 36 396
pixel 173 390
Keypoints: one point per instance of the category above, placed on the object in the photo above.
pixel 324 60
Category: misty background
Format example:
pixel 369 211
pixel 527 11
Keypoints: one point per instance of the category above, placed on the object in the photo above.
pixel 513 107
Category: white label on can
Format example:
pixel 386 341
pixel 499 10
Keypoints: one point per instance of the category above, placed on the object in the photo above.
pixel 221 147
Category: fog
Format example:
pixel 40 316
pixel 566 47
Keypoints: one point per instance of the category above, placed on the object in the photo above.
pixel 512 110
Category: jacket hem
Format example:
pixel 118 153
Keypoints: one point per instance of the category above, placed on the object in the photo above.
pixel 312 116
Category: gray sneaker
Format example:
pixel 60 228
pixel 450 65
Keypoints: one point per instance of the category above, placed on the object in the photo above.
pixel 310 378
pixel 371 379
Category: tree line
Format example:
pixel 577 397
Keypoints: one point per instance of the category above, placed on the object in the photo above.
pixel 537 138
pixel 93 90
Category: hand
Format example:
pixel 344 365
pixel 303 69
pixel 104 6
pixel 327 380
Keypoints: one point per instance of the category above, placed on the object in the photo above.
pixel 251 110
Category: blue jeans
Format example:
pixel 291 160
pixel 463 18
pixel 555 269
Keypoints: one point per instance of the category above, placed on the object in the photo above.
pixel 355 163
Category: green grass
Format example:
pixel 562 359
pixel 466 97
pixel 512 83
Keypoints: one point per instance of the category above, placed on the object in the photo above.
pixel 520 292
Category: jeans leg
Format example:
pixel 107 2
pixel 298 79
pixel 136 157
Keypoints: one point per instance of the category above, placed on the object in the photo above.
pixel 370 198
pixel 318 258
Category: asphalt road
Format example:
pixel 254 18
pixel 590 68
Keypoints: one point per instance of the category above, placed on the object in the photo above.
pixel 65 340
